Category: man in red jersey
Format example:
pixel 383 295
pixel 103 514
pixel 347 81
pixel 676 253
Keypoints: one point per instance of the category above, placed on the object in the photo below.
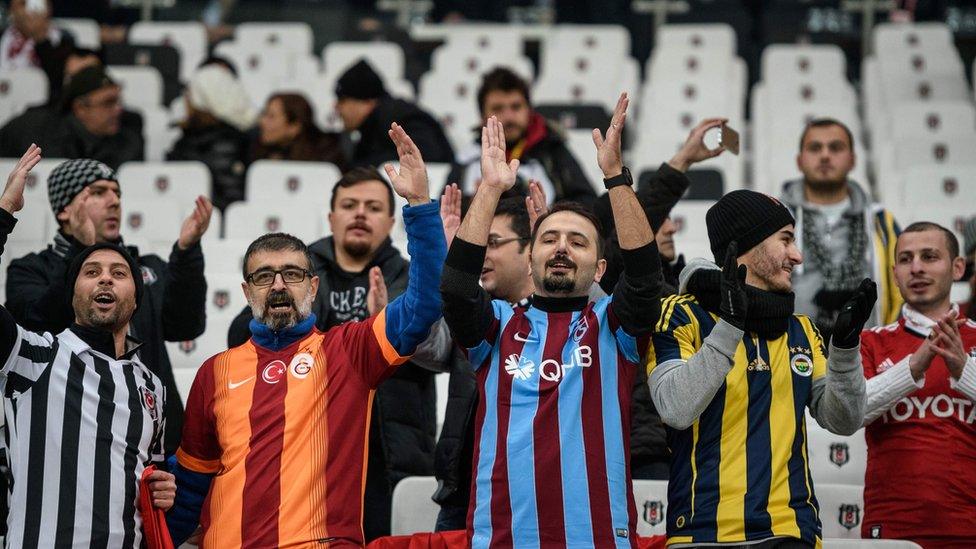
pixel 920 417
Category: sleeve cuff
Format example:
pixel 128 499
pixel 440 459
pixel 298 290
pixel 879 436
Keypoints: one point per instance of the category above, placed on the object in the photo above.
pixel 466 257
pixel 967 380
pixel 725 338
pixel 643 261
pixel 844 360
pixel 421 209
pixel 902 381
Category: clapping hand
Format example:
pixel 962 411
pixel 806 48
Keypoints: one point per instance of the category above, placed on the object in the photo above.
pixel 12 199
pixel 196 224
pixel 853 315
pixel 376 297
pixel 946 342
pixel 411 180
pixel 496 173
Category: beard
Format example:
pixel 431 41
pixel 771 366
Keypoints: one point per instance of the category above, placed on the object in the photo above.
pixel 560 283
pixel 357 248
pixel 111 320
pixel 283 320
pixel 826 185
pixel 766 268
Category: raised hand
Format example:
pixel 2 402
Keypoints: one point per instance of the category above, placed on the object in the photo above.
pixel 947 343
pixel 376 296
pixel 921 358
pixel 536 202
pixel 411 181
pixel 196 223
pixel 735 303
pixel 451 212
pixel 608 154
pixel 12 199
pixel 496 173
pixel 850 321
pixel 694 149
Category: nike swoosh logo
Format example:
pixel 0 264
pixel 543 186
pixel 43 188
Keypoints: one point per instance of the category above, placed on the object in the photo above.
pixel 522 338
pixel 231 385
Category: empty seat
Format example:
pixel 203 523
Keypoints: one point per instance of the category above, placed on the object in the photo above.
pixel 19 89
pixel 310 182
pixel 152 219
pixel 711 36
pixel 473 63
pixel 690 237
pixel 36 221
pixel 795 61
pixel 933 118
pixel 165 59
pixel 225 297
pixel 249 220
pixel 841 509
pixel 142 87
pixel 914 87
pixel 580 143
pixel 385 57
pixel 189 37
pixel 949 191
pixel 836 459
pixel 160 133
pixel 412 509
pixel 225 256
pixel 608 41
pixel 915 36
pixel 651 499
pixel 86 32
pixel 587 88
pixel 181 181
pixel 295 37
pixel 499 39
pixel 453 101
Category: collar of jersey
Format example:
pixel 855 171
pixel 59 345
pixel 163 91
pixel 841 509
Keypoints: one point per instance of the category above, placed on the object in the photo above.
pixel 276 341
pixel 919 323
pixel 102 341
pixel 559 304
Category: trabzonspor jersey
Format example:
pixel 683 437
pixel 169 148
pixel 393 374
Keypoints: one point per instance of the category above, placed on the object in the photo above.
pixel 286 435
pixel 552 429
pixel 921 470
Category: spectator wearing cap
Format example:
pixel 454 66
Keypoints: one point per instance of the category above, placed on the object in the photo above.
pixel 365 106
pixel 89 123
pixel 218 113
pixel 85 198
pixel 968 308
pixel 34 40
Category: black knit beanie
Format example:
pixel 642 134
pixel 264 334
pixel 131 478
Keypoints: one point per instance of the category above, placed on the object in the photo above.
pixel 747 217
pixel 79 260
pixel 360 81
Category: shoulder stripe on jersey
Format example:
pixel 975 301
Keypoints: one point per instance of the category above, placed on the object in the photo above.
pixel 379 330
pixel 667 310
pixel 16 384
pixel 207 466
pixel 36 353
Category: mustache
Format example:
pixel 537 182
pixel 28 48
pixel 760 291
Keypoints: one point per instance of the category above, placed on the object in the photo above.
pixel 279 297
pixel 359 225
pixel 561 261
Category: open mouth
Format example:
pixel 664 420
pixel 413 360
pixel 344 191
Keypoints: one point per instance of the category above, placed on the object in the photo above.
pixel 919 285
pixel 104 299
pixel 280 303
pixel 359 228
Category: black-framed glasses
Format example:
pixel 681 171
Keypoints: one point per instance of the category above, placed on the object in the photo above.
pixel 266 277
pixel 495 243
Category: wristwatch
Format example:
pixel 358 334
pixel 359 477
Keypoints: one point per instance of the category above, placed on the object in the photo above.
pixel 623 179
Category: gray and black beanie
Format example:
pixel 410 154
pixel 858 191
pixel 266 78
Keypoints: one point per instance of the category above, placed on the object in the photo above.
pixel 71 176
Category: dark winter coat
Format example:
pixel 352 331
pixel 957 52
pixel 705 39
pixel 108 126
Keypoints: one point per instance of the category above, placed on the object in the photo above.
pixel 224 149
pixel 375 146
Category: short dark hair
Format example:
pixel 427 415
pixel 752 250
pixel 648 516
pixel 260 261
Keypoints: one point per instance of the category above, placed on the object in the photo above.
pixel 359 175
pixel 823 123
pixel 218 60
pixel 514 207
pixel 275 242
pixel 951 241
pixel 501 79
pixel 579 209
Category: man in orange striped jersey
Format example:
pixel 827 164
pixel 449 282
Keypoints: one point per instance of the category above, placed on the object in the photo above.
pixel 275 443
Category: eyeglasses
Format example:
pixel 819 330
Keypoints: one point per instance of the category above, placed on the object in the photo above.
pixel 495 243
pixel 266 277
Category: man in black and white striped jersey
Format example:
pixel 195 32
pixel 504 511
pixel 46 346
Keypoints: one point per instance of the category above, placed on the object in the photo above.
pixel 84 415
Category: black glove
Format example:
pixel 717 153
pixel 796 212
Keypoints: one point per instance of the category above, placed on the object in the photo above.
pixel 852 316
pixel 734 304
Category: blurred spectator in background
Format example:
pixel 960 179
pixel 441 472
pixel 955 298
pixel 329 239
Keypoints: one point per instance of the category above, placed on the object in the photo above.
pixel 529 137
pixel 843 235
pixel 86 201
pixel 288 132
pixel 88 124
pixel 365 106
pixel 968 308
pixel 218 113
pixel 32 40
pixel 920 424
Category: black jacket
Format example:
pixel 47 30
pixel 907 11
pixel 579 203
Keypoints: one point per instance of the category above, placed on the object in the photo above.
pixel 172 307
pixel 224 149
pixel 61 135
pixel 375 146
pixel 545 148
pixel 404 407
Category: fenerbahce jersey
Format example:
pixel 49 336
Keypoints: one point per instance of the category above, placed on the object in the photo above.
pixel 921 471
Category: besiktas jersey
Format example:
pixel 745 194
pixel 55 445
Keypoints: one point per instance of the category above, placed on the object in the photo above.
pixel 551 433
pixel 921 470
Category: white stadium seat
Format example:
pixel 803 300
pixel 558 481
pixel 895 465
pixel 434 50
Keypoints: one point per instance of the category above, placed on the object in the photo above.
pixel 497 40
pixel 806 61
pixel 142 86
pixel 412 509
pixel 472 64
pixel 19 89
pixel 580 143
pixel 841 509
pixel 224 256
pixel 159 131
pixel 181 181
pixel 294 37
pixel 651 499
pixel 933 118
pixel 36 221
pixel 836 459
pixel 386 58
pixel 249 220
pixel 86 32
pixel 188 37
pixel 690 235
pixel 153 220
pixel 225 297
pixel 309 182
pixel 694 37
pixel 916 36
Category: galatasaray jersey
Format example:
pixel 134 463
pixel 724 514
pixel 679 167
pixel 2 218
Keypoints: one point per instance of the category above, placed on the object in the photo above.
pixel 551 431
pixel 286 435
pixel 921 470
pixel 740 472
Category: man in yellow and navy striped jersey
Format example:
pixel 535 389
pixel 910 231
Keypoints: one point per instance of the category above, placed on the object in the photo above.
pixel 732 370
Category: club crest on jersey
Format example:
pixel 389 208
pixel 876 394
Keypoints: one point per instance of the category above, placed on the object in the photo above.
pixel 274 371
pixel 581 327
pixel 301 365
pixel 876 531
pixel 149 401
pixel 653 512
pixel 839 453
pixel 850 515
pixel 802 365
